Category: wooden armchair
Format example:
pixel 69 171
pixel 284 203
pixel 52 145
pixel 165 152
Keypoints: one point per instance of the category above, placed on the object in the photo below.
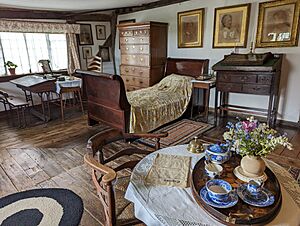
pixel 110 188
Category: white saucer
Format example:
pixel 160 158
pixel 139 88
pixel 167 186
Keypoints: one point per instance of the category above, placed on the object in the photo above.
pixel 239 173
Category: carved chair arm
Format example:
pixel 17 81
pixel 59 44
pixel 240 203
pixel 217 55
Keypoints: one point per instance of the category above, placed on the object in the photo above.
pixel 108 174
pixel 156 136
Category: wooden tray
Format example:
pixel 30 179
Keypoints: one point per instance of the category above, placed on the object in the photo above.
pixel 238 214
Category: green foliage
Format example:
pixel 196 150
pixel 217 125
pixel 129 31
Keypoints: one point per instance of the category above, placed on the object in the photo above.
pixel 10 64
pixel 252 138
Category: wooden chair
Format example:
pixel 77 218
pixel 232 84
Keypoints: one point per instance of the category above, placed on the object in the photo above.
pixel 75 92
pixel 110 188
pixel 17 104
pixel 45 64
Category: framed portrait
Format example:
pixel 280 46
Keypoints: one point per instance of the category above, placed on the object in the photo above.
pixel 104 53
pixel 100 32
pixel 278 24
pixel 85 36
pixel 231 26
pixel 87 52
pixel 190 28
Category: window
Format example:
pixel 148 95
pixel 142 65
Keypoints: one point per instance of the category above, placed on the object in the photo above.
pixel 26 49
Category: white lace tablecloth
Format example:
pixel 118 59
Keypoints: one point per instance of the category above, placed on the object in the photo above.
pixel 69 82
pixel 161 205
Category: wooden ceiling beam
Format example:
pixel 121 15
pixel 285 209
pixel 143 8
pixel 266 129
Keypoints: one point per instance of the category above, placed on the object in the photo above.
pixel 14 13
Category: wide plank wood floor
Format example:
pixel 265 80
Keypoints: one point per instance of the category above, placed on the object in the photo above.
pixel 51 155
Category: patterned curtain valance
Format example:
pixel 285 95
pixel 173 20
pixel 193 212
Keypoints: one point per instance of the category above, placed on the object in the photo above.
pixel 38 27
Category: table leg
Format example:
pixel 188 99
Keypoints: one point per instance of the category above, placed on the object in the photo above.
pixel 207 93
pixel 192 101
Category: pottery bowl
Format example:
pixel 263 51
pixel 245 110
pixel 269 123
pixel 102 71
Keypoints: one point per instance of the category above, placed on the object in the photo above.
pixel 218 153
pixel 218 190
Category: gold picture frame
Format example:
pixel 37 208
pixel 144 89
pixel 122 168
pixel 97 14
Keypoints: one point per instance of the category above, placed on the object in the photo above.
pixel 190 28
pixel 278 24
pixel 231 24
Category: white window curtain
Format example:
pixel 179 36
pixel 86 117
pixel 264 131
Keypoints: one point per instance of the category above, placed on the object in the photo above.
pixel 50 28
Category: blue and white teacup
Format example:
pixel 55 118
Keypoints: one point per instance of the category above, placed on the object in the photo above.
pixel 218 190
pixel 213 169
pixel 254 187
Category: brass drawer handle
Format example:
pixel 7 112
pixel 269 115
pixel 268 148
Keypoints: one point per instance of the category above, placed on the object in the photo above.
pixel 127 80
pixel 126 70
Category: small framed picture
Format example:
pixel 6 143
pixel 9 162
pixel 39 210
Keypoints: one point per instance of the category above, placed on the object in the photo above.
pixel 85 36
pixel 104 53
pixel 87 52
pixel 100 32
pixel 278 24
pixel 231 26
pixel 190 28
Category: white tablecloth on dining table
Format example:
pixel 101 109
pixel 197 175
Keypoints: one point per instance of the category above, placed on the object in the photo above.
pixel 162 205
pixel 69 82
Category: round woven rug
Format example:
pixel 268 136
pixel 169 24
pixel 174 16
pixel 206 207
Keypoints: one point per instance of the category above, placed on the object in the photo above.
pixel 43 207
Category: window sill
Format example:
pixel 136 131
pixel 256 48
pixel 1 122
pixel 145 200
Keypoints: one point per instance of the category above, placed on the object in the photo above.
pixel 6 78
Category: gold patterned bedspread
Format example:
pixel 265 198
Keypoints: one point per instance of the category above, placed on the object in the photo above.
pixel 157 105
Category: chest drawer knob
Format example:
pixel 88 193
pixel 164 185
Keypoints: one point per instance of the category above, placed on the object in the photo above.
pixel 244 78
pixel 134 56
pixel 142 39
pixel 133 39
pixel 127 58
pixel 142 59
pixel 141 72
pixel 126 70
pixel 141 82
pixel 126 39
pixel 133 79
pixel 141 48
pixel 127 80
pixel 133 69
pixel 127 48
pixel 133 47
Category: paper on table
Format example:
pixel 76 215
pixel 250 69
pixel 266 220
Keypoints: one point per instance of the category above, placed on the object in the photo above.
pixel 169 170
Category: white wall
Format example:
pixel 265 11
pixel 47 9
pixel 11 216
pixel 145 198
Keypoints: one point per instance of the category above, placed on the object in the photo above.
pixel 107 66
pixel 289 105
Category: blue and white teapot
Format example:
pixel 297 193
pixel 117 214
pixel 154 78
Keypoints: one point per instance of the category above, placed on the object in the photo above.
pixel 218 153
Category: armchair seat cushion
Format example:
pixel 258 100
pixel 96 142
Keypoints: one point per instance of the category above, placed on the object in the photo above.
pixel 124 208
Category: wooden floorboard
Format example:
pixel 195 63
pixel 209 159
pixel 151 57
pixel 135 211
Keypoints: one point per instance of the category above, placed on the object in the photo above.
pixel 51 155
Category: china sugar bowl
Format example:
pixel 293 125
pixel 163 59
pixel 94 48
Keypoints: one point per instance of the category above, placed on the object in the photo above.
pixel 212 169
pixel 218 190
pixel 218 153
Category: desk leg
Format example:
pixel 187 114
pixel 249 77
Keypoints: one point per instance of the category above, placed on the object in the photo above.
pixel 216 107
pixel 274 110
pixel 270 108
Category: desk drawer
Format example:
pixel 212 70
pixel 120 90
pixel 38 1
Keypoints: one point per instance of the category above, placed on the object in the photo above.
pixel 237 78
pixel 139 60
pixel 265 79
pixel 135 81
pixel 229 87
pixel 256 89
pixel 135 49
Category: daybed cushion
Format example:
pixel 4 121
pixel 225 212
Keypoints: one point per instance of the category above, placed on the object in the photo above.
pixel 162 103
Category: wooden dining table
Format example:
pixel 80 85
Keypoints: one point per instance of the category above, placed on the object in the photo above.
pixel 46 87
pixel 166 205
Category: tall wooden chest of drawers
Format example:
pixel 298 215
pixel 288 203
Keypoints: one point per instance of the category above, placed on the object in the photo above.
pixel 143 53
pixel 261 79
